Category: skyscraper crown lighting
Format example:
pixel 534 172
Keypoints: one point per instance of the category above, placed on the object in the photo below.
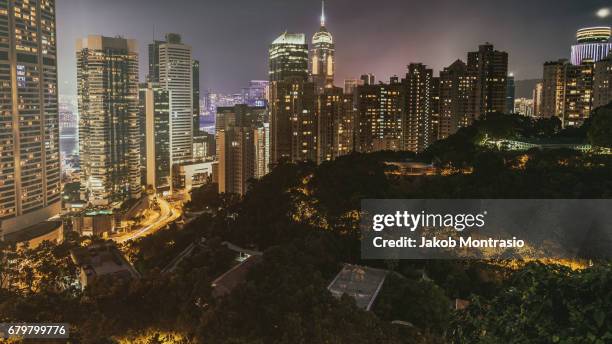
pixel 594 34
pixel 290 38
pixel 593 44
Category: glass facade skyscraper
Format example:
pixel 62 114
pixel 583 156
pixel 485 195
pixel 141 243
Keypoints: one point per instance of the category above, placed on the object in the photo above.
pixel 29 123
pixel 322 60
pixel 155 136
pixel 289 57
pixel 109 129
pixel 172 66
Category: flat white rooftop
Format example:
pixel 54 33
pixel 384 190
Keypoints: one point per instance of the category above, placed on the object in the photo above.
pixel 360 282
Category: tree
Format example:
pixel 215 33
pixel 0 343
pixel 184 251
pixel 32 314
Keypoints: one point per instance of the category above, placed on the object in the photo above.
pixel 420 302
pixel 542 304
pixel 600 127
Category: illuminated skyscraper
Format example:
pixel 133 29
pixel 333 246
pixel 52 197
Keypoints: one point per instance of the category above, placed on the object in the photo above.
pixel 29 124
pixel 537 100
pixel 109 129
pixel 292 101
pixel 457 98
pixel 262 149
pixel 491 69
pixel 155 136
pixel 593 44
pixel 322 60
pixel 416 110
pixel 568 91
pixel 293 125
pixel 523 107
pixel 510 94
pixel 435 108
pixel 553 88
pixel 379 116
pixel 240 146
pixel 602 83
pixel 578 94
pixel 195 82
pixel 171 65
pixel 289 57
pixel 335 124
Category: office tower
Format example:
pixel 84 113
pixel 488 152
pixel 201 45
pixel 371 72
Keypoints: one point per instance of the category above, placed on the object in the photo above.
pixel 292 101
pixel 293 123
pixel 289 57
pixel 593 44
pixel 602 83
pixel 379 117
pixel 457 98
pixel 195 72
pixel 155 136
pixel 416 112
pixel 236 146
pixel 368 79
pixel 523 107
pixel 537 100
pixel 553 88
pixel 153 48
pixel 29 123
pixel 322 60
pixel 335 124
pixel 171 65
pixel 257 93
pixel 109 129
pixel 510 94
pixel 261 139
pixel 491 69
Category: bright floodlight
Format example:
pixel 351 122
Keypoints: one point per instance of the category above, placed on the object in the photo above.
pixel 603 13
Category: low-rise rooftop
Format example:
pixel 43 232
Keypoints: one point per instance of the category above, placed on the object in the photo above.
pixel 359 282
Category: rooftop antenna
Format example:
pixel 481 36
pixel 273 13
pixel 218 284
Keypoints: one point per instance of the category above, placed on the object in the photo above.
pixel 322 13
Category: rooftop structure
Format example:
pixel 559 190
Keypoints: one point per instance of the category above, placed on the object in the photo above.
pixel 290 38
pixel 35 235
pixel 594 34
pixel 101 260
pixel 359 282
pixel 237 275
pixel 593 44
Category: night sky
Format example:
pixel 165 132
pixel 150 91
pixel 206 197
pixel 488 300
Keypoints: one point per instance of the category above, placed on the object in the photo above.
pixel 231 37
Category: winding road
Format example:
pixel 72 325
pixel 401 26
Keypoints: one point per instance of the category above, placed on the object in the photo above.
pixel 167 216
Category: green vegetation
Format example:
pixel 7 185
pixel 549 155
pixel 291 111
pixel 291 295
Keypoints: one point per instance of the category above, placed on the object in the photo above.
pixel 600 127
pixel 542 304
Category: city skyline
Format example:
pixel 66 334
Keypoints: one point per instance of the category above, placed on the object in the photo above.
pixel 207 26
